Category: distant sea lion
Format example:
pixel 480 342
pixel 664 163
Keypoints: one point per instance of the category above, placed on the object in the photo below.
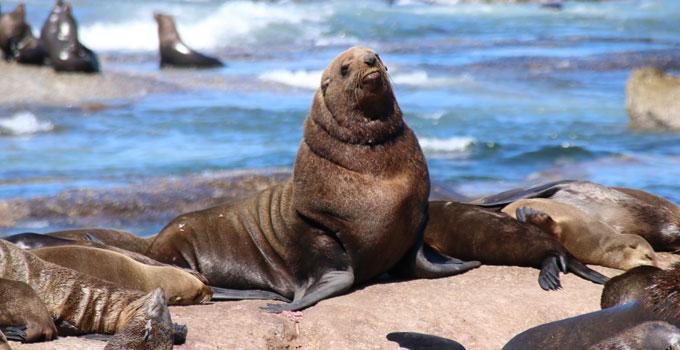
pixel 355 207
pixel 628 211
pixel 10 29
pixel 628 286
pixel 59 34
pixel 652 335
pixel 660 302
pixel 173 51
pixel 21 309
pixel 181 288
pixel 83 304
pixel 588 239
pixel 469 232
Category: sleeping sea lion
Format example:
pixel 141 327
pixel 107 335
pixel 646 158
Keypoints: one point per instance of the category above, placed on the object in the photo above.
pixel 22 310
pixel 82 304
pixel 628 211
pixel 660 302
pixel 174 53
pixel 354 208
pixel 469 232
pixel 181 288
pixel 114 238
pixel 628 286
pixel 590 240
pixel 59 34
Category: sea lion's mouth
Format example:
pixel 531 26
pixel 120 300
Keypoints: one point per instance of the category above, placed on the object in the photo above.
pixel 373 79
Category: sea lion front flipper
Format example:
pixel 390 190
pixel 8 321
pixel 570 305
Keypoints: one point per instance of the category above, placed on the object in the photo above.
pixel 583 271
pixel 504 198
pixel 413 341
pixel 222 294
pixel 14 333
pixel 549 277
pixel 424 262
pixel 330 284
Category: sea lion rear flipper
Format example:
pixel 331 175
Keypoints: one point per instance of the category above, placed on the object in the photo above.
pixel 504 198
pixel 222 294
pixel 14 333
pixel 583 271
pixel 549 277
pixel 424 262
pixel 331 284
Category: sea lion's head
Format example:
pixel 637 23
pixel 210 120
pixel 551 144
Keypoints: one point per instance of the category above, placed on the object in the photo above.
pixel 167 31
pixel 147 325
pixel 634 251
pixel 13 24
pixel 357 80
pixel 355 102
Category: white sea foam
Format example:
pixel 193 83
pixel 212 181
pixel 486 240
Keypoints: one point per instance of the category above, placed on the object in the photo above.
pixel 231 23
pixel 298 78
pixel 454 144
pixel 423 79
pixel 24 123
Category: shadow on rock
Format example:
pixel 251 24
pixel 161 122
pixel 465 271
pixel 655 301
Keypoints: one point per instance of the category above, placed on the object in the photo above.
pixel 420 341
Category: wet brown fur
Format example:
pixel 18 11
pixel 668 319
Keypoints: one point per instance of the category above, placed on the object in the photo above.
pixel 628 286
pixel 20 306
pixel 181 288
pixel 356 202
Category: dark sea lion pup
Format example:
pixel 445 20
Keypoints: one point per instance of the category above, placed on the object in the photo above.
pixel 473 233
pixel 174 53
pixel 355 207
pixel 59 34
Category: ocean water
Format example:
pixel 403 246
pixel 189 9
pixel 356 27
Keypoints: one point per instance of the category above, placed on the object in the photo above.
pixel 499 95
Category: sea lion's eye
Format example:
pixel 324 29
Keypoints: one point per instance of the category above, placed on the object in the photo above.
pixel 344 69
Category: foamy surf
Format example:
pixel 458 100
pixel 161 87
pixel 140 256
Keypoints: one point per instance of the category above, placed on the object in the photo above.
pixel 232 23
pixel 423 79
pixel 455 144
pixel 24 123
pixel 297 78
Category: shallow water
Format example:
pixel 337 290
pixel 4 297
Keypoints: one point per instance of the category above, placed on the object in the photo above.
pixel 499 95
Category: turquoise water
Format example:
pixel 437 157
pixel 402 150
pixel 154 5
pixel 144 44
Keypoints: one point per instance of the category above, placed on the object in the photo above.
pixel 499 95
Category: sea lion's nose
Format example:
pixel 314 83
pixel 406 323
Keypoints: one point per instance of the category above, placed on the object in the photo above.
pixel 370 59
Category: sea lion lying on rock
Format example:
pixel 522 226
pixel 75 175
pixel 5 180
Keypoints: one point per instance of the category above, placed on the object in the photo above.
pixel 473 233
pixel 355 207
pixel 628 211
pixel 588 239
pixel 82 304
pixel 659 302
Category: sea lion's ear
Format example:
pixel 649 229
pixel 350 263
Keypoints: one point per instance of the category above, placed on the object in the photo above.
pixel 325 81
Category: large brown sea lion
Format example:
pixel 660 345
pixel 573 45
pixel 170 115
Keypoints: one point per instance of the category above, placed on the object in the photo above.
pixel 627 210
pixel 355 207
pixel 21 310
pixel 82 304
pixel 59 34
pixel 16 38
pixel 472 233
pixel 181 288
pixel 173 51
pixel 660 302
pixel 590 240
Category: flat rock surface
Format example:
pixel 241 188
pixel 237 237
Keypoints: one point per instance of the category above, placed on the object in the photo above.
pixel 481 309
